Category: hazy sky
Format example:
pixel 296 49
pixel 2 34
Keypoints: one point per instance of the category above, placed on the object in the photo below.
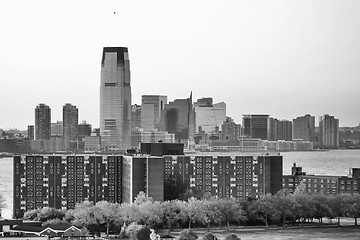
pixel 283 58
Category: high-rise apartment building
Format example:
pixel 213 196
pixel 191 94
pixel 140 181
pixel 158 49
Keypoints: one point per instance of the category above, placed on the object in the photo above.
pixel 279 130
pixel 255 126
pixel 304 128
pixel 42 122
pixel 151 107
pixel 63 181
pixel 30 132
pixel 224 176
pixel 284 130
pixel 115 99
pixel 70 122
pixel 209 116
pixel 60 181
pixel 329 131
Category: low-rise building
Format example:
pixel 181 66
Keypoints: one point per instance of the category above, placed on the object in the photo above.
pixel 326 184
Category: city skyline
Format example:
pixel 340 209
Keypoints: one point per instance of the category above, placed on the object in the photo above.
pixel 285 59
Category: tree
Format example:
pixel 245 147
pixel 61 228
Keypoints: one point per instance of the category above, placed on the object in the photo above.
pixel 190 210
pixel 284 206
pixel 304 209
pixel 55 221
pixel 47 213
pixel 263 207
pixel 230 210
pixel 339 206
pixel 210 211
pixel 321 206
pixel 83 215
pixel 105 214
pixel 2 204
pixel 128 213
pixel 354 207
pixel 301 188
pixel 150 213
pixel 141 198
pixel 171 211
pixel 44 214
pixel 31 214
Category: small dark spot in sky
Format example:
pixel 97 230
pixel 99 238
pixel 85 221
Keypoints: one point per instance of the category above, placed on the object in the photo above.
pixel 114 12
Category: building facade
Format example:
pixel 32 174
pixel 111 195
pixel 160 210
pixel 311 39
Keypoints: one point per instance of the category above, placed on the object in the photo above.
pixel 70 122
pixel 226 176
pixel 279 130
pixel 140 135
pixel 30 132
pixel 61 181
pixel 115 99
pixel 84 130
pixel 208 116
pixel 304 128
pixel 255 126
pixel 325 184
pixel 284 130
pixel 135 116
pixel 230 130
pixel 151 108
pixel 178 117
pixel 329 131
pixel 42 122
pixel 57 130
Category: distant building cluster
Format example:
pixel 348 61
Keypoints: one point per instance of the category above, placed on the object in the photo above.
pixel 200 125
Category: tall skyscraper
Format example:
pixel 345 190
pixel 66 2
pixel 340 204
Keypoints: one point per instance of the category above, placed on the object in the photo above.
pixel 42 122
pixel 329 131
pixel 115 99
pixel 70 122
pixel 151 107
pixel 304 128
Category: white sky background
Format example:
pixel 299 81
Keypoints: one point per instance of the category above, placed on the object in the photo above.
pixel 283 58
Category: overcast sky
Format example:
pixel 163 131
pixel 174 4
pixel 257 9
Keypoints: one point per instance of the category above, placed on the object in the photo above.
pixel 283 58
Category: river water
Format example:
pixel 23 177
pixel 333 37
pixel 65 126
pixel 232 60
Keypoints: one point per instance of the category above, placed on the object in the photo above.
pixel 333 162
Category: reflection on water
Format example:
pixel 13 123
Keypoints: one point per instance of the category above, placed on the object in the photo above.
pixel 334 162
